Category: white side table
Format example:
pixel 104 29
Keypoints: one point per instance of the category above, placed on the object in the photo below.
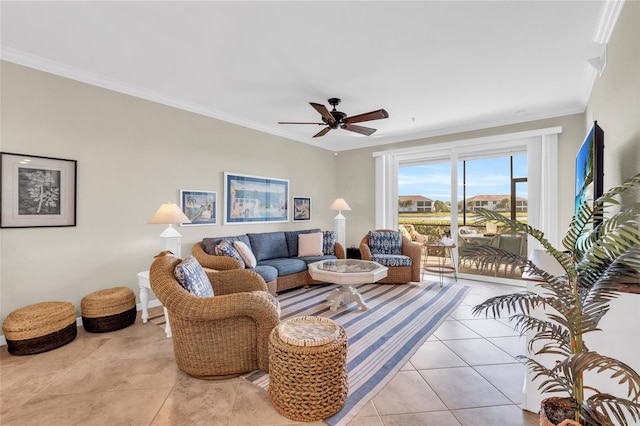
pixel 145 286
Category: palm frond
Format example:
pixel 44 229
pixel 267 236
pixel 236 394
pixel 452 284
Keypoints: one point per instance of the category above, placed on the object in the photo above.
pixel 604 405
pixel 555 381
pixel 555 338
pixel 514 225
pixel 593 361
pixel 578 238
pixel 621 273
pixel 513 303
pixel 608 247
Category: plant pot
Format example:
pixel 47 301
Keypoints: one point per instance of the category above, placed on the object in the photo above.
pixel 557 411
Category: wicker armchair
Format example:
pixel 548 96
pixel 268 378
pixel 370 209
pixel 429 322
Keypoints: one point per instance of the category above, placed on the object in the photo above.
pixel 397 274
pixel 221 336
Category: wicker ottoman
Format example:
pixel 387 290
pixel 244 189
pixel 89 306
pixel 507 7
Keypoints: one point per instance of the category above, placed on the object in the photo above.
pixel 308 368
pixel 108 310
pixel 40 327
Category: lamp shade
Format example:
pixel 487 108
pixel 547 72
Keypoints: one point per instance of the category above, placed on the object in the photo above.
pixel 339 204
pixel 169 213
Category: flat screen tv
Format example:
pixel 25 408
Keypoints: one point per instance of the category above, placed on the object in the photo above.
pixel 589 167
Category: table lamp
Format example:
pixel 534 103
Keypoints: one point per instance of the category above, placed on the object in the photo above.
pixel 340 221
pixel 169 214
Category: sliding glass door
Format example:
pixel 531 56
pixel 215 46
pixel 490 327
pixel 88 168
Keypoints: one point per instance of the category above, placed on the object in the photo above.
pixel 438 200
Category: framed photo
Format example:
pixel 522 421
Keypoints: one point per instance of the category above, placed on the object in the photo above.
pixel 199 206
pixel 301 209
pixel 37 191
pixel 255 199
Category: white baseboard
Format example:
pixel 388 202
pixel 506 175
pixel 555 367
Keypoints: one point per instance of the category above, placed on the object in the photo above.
pixel 152 304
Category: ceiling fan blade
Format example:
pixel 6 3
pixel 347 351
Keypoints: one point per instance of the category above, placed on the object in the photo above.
pixel 373 115
pixel 324 112
pixel 367 131
pixel 322 132
pixel 299 122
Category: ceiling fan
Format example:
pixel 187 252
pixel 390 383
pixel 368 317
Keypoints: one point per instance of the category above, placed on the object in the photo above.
pixel 334 119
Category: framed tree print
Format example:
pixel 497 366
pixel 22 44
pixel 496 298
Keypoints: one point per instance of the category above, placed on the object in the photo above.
pixel 37 191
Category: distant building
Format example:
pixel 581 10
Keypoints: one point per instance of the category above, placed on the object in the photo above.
pixel 495 203
pixel 414 204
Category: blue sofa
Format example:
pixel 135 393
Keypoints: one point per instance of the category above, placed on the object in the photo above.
pixel 276 254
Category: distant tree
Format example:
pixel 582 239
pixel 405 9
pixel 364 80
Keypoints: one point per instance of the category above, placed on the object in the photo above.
pixel 438 206
pixel 504 205
pixel 404 203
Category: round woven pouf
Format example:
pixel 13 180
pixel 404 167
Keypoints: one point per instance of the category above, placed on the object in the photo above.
pixel 308 368
pixel 108 310
pixel 40 327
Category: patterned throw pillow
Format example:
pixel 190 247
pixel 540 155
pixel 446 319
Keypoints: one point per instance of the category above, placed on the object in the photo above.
pixel 192 277
pixel 245 252
pixel 329 242
pixel 385 242
pixel 225 248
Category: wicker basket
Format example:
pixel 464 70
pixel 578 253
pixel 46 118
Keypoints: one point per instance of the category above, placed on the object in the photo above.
pixel 108 310
pixel 308 370
pixel 40 327
pixel 561 404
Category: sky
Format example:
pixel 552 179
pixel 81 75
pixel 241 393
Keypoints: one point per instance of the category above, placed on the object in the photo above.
pixel 484 177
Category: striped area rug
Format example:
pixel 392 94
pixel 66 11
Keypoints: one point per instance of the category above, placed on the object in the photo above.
pixel 380 340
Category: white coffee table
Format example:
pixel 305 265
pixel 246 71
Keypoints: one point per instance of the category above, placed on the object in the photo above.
pixel 346 272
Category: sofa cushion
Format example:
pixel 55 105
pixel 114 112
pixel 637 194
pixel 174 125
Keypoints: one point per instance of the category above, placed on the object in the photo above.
pixel 385 242
pixel 310 244
pixel 192 277
pixel 209 244
pixel 391 259
pixel 329 242
pixel 246 254
pixel 285 266
pixel 225 248
pixel 268 273
pixel 292 240
pixel 268 245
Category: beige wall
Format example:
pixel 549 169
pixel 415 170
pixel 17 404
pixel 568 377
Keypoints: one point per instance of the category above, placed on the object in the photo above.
pixel 133 155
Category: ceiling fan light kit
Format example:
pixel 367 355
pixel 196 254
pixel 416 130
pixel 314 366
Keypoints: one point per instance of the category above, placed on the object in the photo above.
pixel 337 119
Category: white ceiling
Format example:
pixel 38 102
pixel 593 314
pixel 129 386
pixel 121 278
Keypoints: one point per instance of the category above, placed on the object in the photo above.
pixel 436 66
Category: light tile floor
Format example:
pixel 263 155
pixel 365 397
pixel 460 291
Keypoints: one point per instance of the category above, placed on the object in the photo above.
pixel 465 374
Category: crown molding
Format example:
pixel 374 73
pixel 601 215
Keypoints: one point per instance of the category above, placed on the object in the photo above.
pixel 53 67
pixel 608 17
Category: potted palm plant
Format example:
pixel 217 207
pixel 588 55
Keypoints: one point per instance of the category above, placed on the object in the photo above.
pixel 599 261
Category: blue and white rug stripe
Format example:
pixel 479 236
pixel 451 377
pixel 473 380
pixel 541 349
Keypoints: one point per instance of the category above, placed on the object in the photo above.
pixel 380 340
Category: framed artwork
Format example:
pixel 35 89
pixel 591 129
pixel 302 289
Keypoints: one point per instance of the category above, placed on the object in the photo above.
pixel 301 209
pixel 199 206
pixel 37 191
pixel 255 199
